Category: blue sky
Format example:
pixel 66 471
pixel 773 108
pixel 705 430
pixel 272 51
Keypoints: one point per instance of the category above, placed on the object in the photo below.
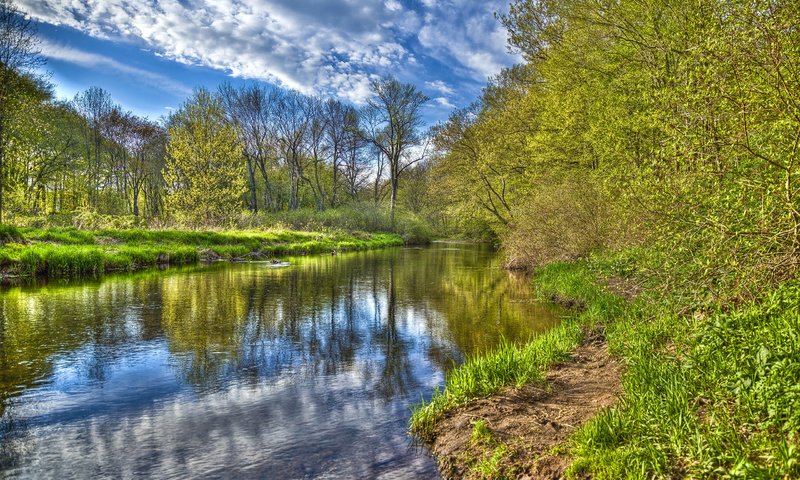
pixel 150 54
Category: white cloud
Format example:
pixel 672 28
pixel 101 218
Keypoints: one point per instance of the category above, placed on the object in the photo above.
pixel 470 36
pixel 330 47
pixel 440 87
pixel 291 43
pixel 56 51
pixel 444 102
pixel 393 5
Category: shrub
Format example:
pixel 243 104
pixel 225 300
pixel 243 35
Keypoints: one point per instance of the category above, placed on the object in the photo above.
pixel 8 234
pixel 565 219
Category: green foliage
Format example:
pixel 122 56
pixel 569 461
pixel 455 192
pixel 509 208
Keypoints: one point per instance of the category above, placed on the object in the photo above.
pixel 205 171
pixel 69 252
pixel 365 217
pixel 8 234
pixel 66 236
pixel 668 124
pixel 706 393
pixel 566 219
pixel 88 219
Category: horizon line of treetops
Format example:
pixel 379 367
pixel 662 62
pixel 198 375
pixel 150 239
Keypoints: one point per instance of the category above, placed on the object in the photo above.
pixel 252 146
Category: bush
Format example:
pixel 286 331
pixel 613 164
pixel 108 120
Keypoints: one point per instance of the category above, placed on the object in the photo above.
pixel 364 216
pixel 8 234
pixel 565 220
pixel 88 219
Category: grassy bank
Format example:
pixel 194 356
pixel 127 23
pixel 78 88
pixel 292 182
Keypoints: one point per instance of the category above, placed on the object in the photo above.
pixel 69 252
pixel 707 393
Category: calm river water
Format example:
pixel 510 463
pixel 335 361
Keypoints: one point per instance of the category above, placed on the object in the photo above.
pixel 244 370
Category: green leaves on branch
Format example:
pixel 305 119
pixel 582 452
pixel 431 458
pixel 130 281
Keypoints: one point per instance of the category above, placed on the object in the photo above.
pixel 205 172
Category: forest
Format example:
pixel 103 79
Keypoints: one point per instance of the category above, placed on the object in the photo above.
pixel 654 143
pixel 647 148
pixel 219 160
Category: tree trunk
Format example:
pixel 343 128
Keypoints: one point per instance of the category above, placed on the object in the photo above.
pixel 136 201
pixel 251 172
pixel 2 168
pixel 335 181
pixel 393 201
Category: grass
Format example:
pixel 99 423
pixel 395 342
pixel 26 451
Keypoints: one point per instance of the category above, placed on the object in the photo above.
pixel 707 393
pixel 69 252
pixel 487 465
pixel 517 364
pixel 489 468
pixel 480 432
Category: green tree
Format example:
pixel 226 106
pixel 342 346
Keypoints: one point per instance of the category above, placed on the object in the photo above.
pixel 205 170
pixel 393 120
pixel 18 57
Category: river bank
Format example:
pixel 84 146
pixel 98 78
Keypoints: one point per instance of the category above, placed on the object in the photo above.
pixel 632 384
pixel 70 252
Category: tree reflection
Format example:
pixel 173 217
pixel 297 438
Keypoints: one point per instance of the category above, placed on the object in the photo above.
pixel 383 317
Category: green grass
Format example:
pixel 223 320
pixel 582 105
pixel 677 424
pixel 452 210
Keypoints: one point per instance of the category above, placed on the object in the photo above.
pixel 706 393
pixel 69 252
pixel 480 433
pixel 489 468
pixel 517 364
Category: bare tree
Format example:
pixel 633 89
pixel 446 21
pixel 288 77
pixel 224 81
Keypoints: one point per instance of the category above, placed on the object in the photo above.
pixel 338 134
pixel 393 125
pixel 292 123
pixel 18 57
pixel 354 165
pixel 146 144
pixel 251 109
pixel 317 146
pixel 95 105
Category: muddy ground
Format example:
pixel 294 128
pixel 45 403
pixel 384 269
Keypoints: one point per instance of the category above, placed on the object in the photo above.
pixel 530 423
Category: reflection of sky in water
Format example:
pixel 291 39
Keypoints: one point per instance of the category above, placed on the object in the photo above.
pixel 246 371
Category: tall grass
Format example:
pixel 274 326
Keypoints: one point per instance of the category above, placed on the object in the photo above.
pixel 69 252
pixel 517 364
pixel 707 394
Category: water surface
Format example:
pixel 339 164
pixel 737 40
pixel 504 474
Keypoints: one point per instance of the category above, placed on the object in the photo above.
pixel 244 370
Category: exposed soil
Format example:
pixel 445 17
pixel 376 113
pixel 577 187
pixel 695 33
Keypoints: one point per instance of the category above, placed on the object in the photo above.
pixel 531 421
pixel 568 303
pixel 623 287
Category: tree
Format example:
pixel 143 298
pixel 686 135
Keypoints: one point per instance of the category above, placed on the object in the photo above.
pixel 354 165
pixel 292 124
pixel 251 109
pixel 205 172
pixel 340 121
pixel 96 106
pixel 18 57
pixel 317 147
pixel 393 122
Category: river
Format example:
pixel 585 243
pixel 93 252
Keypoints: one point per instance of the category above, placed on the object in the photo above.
pixel 247 370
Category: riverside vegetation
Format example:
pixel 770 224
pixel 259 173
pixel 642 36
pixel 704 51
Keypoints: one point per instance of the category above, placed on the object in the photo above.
pixel 69 252
pixel 649 147
pixel 653 145
pixel 706 393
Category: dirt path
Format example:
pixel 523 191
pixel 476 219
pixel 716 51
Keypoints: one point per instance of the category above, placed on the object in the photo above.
pixel 526 424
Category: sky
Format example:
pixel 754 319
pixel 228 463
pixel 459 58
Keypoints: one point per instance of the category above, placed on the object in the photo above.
pixel 151 54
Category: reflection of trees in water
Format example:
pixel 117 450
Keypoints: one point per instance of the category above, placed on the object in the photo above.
pixel 324 316
pixel 397 376
pixel 40 326
pixel 470 304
